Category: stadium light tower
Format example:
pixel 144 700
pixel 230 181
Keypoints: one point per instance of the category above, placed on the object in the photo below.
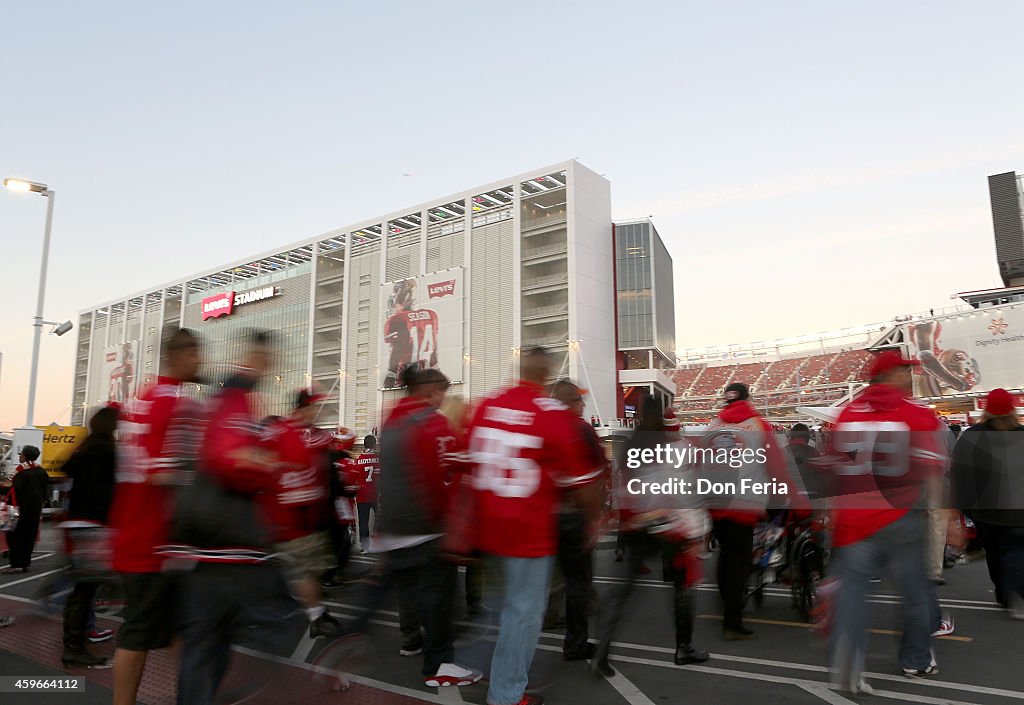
pixel 23 186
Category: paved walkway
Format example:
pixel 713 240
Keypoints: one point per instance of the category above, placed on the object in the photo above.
pixel 980 663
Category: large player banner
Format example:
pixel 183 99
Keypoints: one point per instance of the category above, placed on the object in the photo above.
pixel 422 324
pixel 968 354
pixel 119 371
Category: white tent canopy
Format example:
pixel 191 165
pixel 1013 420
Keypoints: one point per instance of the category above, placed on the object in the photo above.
pixel 829 414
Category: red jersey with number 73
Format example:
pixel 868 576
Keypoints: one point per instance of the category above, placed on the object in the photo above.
pixel 526 449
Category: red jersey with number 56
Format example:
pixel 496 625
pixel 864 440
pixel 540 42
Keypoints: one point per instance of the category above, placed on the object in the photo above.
pixel 526 449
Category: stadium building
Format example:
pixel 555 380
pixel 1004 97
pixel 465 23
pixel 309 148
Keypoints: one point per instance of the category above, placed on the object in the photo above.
pixel 462 283
pixel 645 313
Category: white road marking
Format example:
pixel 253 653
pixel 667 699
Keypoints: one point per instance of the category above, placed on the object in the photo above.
pixel 389 687
pixel 624 687
pixel 775 592
pixel 34 576
pixel 827 695
pixel 909 697
pixel 449 694
pixel 304 647
pixel 790 665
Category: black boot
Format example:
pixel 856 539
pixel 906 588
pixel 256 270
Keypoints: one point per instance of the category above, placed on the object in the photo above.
pixel 602 668
pixel 82 658
pixel 685 653
pixel 599 666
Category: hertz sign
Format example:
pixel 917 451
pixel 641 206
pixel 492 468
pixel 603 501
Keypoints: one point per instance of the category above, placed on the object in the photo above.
pixel 224 304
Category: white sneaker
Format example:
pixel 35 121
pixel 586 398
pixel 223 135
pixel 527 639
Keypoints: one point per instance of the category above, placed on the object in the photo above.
pixel 946 627
pixel 858 687
pixel 932 670
pixel 861 687
pixel 453 674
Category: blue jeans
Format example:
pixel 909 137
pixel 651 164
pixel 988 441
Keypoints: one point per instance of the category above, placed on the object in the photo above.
pixel 901 546
pixel 522 613
pixel 1012 563
pixel 223 603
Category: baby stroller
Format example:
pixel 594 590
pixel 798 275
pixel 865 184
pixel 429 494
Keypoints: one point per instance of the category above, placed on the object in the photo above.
pixel 788 549
pixel 769 556
pixel 807 559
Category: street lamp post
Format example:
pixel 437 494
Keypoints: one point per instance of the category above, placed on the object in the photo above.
pixel 42 189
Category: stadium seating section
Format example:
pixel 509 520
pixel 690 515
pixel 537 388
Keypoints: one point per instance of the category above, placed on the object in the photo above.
pixel 798 381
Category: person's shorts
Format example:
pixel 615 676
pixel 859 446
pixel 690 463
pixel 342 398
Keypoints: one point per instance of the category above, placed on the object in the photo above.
pixel 150 611
pixel 308 555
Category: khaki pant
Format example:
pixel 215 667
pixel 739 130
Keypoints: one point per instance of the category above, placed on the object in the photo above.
pixel 938 520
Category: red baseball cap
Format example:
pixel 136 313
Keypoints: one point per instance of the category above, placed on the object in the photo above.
pixel 999 403
pixel 888 360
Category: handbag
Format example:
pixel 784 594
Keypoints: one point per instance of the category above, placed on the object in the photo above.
pixel 208 515
pixel 9 514
pixel 458 542
pixel 90 551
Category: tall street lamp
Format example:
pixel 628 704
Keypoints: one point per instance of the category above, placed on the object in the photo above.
pixel 24 186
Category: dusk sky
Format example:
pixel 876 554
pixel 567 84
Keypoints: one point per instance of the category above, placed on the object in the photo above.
pixel 809 165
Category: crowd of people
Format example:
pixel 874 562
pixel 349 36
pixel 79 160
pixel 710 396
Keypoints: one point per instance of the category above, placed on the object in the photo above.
pixel 221 523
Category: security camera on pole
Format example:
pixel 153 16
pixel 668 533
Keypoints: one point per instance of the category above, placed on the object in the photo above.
pixel 59 328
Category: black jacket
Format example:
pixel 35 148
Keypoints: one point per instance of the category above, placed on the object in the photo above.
pixel 91 467
pixel 987 476
pixel 30 488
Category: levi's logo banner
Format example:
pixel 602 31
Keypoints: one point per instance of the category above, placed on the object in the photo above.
pixel 219 305
pixel 436 291
pixel 224 304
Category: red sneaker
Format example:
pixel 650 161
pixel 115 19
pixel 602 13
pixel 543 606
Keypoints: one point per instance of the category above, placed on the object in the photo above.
pixel 98 635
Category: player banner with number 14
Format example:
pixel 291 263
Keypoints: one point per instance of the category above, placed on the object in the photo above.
pixel 422 324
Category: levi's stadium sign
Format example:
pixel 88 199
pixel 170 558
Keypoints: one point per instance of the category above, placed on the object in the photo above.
pixel 224 304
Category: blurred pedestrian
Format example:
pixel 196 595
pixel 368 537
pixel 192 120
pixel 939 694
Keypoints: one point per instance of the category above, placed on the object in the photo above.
pixel 158 445
pixel 458 414
pixel 575 558
pixel 221 533
pixel 28 493
pixel 734 528
pixel 988 482
pixel 298 509
pixel 343 488
pixel 893 453
pixel 367 465
pixel 415 470
pixel 801 452
pixel 674 535
pixel 527 453
pixel 91 468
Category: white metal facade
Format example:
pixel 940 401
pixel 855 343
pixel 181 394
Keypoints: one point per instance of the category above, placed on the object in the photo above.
pixel 536 251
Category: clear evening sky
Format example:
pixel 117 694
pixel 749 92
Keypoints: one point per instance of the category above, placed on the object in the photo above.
pixel 810 165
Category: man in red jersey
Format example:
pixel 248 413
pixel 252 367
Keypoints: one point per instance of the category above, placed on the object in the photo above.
pixel 159 439
pixel 575 559
pixel 233 589
pixel 299 509
pixel 417 449
pixel 734 526
pixel 367 468
pixel 891 454
pixel 527 453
